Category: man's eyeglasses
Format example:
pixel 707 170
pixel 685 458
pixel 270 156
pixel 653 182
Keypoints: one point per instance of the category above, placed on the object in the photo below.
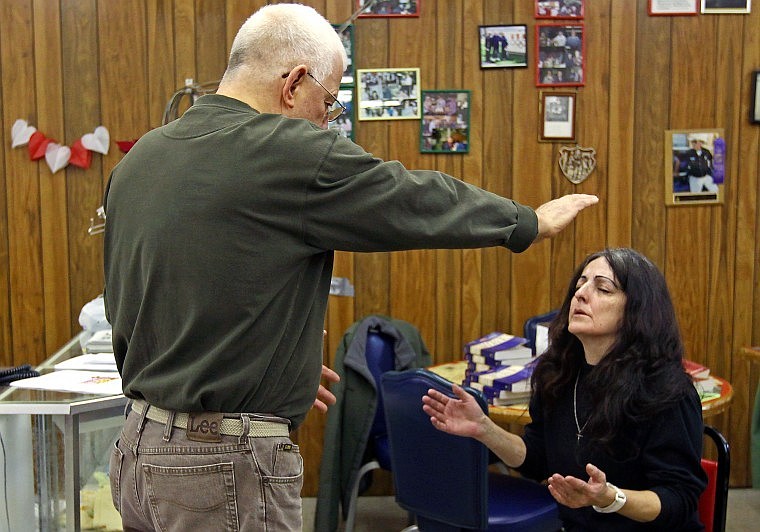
pixel 336 109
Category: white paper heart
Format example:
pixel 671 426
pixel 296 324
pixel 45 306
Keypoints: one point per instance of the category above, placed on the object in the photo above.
pixel 57 156
pixel 21 132
pixel 98 140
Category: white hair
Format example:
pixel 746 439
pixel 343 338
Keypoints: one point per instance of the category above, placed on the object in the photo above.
pixel 278 37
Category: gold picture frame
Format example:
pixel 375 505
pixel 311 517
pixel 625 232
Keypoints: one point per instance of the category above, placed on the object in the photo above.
pixel 695 166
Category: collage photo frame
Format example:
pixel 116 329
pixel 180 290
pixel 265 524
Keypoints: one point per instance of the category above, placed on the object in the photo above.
pixel 445 124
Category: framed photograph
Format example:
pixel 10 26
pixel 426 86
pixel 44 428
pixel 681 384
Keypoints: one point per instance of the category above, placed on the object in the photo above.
pixel 503 46
pixel 347 37
pixel 560 55
pixel 557 112
pixel 673 7
pixel 726 6
pixel 344 124
pixel 754 108
pixel 389 8
pixel 695 166
pixel 445 124
pixel 559 8
pixel 388 93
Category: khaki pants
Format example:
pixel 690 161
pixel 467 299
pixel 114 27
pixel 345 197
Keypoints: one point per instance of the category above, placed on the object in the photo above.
pixel 161 480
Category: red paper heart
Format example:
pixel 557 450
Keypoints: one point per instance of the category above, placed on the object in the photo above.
pixel 126 145
pixel 37 145
pixel 80 156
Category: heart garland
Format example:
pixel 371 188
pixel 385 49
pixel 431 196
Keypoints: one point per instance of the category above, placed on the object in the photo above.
pixel 58 156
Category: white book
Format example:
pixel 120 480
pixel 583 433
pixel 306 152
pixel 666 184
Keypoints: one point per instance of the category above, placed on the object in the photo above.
pixel 99 342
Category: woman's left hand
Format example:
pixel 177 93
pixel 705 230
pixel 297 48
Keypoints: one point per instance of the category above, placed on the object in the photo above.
pixel 576 493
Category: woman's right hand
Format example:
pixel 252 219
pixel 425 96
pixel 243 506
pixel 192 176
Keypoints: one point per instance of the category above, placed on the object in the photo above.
pixel 461 416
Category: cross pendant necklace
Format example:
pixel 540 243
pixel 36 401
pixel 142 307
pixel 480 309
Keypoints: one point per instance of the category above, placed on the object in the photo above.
pixel 579 433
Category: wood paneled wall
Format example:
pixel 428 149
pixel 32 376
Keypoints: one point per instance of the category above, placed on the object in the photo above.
pixel 68 66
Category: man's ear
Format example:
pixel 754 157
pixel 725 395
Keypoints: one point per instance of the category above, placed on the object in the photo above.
pixel 293 81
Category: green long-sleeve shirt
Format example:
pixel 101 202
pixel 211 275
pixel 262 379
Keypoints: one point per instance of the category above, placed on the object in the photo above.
pixel 219 243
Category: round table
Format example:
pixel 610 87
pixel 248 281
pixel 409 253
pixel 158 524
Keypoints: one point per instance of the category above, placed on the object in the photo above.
pixel 518 413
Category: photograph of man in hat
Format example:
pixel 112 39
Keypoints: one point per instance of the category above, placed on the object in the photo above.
pixel 699 166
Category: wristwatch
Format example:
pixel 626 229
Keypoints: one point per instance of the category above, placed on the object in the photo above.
pixel 615 505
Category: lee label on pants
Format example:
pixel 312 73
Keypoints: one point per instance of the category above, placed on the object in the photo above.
pixel 205 427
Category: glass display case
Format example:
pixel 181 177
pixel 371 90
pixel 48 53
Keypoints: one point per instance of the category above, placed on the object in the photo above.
pixel 56 449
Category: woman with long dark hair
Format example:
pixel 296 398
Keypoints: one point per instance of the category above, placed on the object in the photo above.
pixel 611 405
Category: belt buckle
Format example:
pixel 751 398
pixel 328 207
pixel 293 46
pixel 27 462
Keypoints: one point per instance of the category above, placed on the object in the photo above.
pixel 204 427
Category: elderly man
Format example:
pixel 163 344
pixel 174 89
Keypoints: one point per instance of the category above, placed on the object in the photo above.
pixel 219 241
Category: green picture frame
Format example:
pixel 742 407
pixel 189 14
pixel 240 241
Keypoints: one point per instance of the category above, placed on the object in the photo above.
pixel 445 124
pixel 349 44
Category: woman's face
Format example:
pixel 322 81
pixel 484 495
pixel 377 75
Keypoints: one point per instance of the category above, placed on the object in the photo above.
pixel 596 309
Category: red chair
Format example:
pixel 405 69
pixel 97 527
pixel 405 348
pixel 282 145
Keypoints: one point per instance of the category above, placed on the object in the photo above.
pixel 714 500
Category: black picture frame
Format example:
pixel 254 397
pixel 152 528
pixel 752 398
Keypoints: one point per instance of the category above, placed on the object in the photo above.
pixel 726 7
pixel 754 108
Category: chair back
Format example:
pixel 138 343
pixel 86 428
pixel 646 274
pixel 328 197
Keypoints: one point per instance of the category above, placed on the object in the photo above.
pixel 530 325
pixel 380 356
pixel 713 502
pixel 436 475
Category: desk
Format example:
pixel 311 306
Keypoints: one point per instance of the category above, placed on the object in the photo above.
pixel 34 424
pixel 518 414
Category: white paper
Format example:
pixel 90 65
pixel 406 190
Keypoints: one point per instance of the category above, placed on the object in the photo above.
pixel 90 361
pixel 98 382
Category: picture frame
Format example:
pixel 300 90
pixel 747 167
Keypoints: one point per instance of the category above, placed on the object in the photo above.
pixel 389 8
pixel 560 55
pixel 726 6
pixel 388 94
pixel 560 9
pixel 754 111
pixel 503 46
pixel 673 7
pixel 347 38
pixel 445 124
pixel 557 116
pixel 344 124
pixel 695 166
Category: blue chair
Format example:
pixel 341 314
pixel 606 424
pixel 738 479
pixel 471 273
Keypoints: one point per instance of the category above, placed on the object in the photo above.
pixel 380 359
pixel 443 479
pixel 529 327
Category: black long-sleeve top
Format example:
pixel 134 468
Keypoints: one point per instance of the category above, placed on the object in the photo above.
pixel 667 462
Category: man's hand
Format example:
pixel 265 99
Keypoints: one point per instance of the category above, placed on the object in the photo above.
pixel 325 398
pixel 555 215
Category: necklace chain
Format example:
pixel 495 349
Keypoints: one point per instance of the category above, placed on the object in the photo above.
pixel 578 434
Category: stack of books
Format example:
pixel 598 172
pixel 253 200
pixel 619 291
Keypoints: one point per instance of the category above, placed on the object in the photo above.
pixel 500 366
